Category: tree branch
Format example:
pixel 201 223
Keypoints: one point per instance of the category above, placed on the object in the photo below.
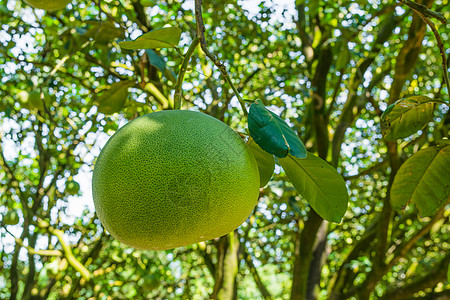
pixel 369 170
pixel 67 249
pixel 303 254
pixel 348 116
pixel 222 68
pixel 306 39
pixel 183 69
pixel 339 282
pixel 400 251
pixel 38 252
pixel 251 266
pixel 422 9
pixel 428 281
pixel 440 46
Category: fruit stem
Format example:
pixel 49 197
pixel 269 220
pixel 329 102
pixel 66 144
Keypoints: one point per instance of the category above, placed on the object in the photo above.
pixel 183 69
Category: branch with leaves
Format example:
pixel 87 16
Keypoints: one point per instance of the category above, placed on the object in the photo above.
pixel 67 249
pixel 423 282
pixel 33 251
pixel 183 69
pixel 425 13
pixel 420 8
pixel 214 59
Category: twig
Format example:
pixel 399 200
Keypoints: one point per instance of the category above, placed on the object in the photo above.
pixel 222 68
pixel 100 11
pixel 424 13
pixel 247 80
pixel 425 10
pixel 187 58
pixel 12 178
pixel 31 250
pixel 396 253
pixel 367 171
pixel 67 249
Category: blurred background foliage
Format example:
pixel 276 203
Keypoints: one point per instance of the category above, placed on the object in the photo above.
pixel 329 69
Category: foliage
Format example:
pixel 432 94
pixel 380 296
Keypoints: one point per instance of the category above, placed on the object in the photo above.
pixel 424 180
pixel 327 69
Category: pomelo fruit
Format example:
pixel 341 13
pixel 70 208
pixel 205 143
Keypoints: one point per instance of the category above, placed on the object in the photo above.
pixel 72 187
pixel 11 218
pixel 49 5
pixel 174 178
pixel 151 282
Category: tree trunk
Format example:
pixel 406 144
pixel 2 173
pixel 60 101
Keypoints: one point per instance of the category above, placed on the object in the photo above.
pixel 318 259
pixel 405 62
pixel 226 267
pixel 303 254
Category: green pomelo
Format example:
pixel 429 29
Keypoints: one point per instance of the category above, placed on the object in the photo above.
pixel 11 218
pixel 151 282
pixel 49 5
pixel 173 178
pixel 72 187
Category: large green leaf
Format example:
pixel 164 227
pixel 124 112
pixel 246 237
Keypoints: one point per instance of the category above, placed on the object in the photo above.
pixel 424 179
pixel 168 37
pixel 320 184
pixel 272 134
pixel 266 162
pixel 102 31
pixel 406 116
pixel 112 100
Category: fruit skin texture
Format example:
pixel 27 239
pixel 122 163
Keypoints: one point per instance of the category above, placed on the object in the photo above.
pixel 173 178
pixel 49 5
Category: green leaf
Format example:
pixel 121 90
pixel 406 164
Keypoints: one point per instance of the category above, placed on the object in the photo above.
pixel 102 31
pixel 170 74
pixel 168 37
pixel 424 179
pixel 448 273
pixel 343 58
pixel 320 184
pixel 406 116
pixel 272 134
pixel 266 162
pixel 156 60
pixel 114 98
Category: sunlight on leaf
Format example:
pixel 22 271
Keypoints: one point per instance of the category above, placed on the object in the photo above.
pixel 168 37
pixel 320 184
pixel 112 100
pixel 424 179
pixel 406 116
pixel 102 32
